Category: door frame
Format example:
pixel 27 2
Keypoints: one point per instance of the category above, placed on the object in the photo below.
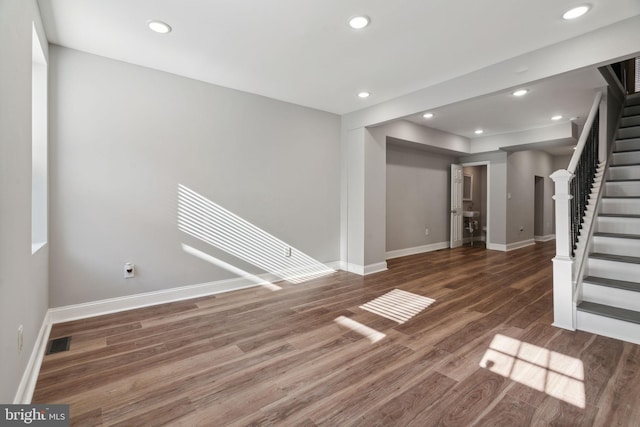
pixel 488 196
pixel 456 206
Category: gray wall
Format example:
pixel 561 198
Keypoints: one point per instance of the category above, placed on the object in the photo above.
pixel 124 137
pixel 560 162
pixel 523 166
pixel 23 276
pixel 417 197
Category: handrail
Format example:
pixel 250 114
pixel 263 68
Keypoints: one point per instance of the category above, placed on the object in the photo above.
pixel 572 190
pixel 585 134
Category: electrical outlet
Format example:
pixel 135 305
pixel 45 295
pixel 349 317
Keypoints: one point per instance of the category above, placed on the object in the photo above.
pixel 522 228
pixel 129 270
pixel 426 231
pixel 20 337
pixel 287 252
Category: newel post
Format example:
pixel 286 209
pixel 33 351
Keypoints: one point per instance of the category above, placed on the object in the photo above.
pixel 563 307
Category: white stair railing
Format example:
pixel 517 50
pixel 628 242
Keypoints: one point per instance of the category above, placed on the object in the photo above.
pixel 571 197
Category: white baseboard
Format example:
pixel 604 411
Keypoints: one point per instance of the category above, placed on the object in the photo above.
pixel 335 265
pixel 29 378
pixel 129 302
pixel 375 268
pixel 364 270
pixel 353 268
pixel 417 250
pixel 546 238
pixel 30 375
pixel 496 247
pixel 521 244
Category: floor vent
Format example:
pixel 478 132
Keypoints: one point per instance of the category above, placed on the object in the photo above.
pixel 58 345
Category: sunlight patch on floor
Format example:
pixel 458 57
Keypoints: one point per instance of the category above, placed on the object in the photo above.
pixel 398 305
pixel 367 332
pixel 550 372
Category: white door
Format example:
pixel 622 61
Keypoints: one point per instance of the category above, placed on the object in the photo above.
pixel 456 206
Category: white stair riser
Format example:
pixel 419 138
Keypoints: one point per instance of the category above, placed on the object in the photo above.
pixel 606 326
pixel 630 120
pixel 624 172
pixel 620 206
pixel 613 270
pixel 631 110
pixel 632 132
pixel 616 246
pixel 618 225
pixel 625 158
pixel 627 144
pixel 611 296
pixel 626 188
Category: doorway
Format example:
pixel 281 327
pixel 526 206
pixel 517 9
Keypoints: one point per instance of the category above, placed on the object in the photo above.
pixel 475 204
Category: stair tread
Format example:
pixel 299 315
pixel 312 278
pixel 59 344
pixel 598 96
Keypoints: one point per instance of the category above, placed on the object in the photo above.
pixel 612 283
pixel 612 215
pixel 625 165
pixel 631 141
pixel 617 258
pixel 623 180
pixel 617 235
pixel 609 311
pixel 630 150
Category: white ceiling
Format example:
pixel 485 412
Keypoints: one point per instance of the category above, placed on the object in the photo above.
pixel 302 51
pixel 570 95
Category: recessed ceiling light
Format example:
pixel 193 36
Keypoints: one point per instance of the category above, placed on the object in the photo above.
pixel 478 131
pixel 558 117
pixel 364 94
pixel 359 22
pixel 576 12
pixel 520 92
pixel 427 115
pixel 159 27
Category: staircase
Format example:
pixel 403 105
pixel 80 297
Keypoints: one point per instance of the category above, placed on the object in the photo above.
pixel 611 287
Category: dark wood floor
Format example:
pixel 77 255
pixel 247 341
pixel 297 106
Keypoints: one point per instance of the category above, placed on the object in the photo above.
pixel 484 353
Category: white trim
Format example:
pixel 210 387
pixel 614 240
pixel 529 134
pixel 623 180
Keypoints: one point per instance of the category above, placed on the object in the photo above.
pixel 130 302
pixel 375 268
pixel 364 270
pixel 417 250
pixel 496 247
pixel 335 265
pixel 521 244
pixel 27 384
pixel 353 268
pixel 546 238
